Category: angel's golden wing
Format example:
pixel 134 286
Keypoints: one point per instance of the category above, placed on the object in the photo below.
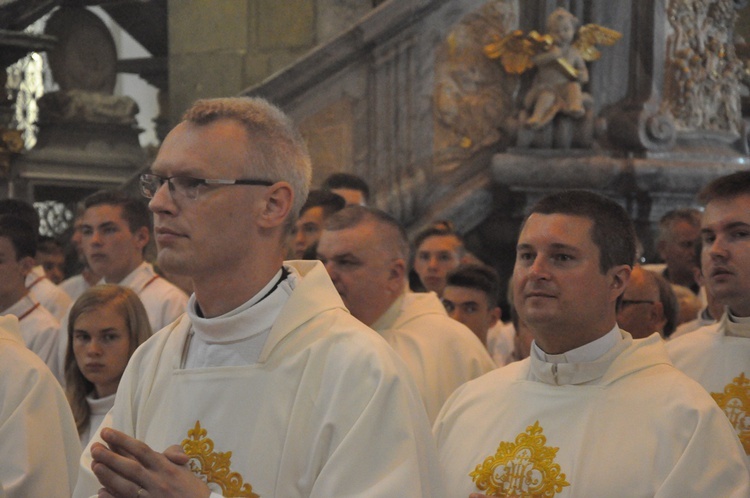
pixel 591 35
pixel 514 51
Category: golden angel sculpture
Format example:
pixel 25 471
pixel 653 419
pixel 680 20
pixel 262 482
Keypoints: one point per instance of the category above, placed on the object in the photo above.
pixel 560 58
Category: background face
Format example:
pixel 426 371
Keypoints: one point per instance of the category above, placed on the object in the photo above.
pixel 101 346
pixel 307 230
pixel 111 249
pixel 12 271
pixel 435 257
pixel 678 250
pixel 470 307
pixel 725 258
pixel 360 270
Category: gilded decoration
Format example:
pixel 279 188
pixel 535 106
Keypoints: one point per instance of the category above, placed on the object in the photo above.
pixel 704 72
pixel 472 97
pixel 523 469
pixel 214 467
pixel 560 57
pixel 735 401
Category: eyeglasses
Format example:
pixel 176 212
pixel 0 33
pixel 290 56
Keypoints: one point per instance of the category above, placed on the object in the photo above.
pixel 628 302
pixel 187 186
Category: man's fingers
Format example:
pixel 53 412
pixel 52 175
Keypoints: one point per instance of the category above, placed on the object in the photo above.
pixel 176 455
pixel 114 484
pixel 129 447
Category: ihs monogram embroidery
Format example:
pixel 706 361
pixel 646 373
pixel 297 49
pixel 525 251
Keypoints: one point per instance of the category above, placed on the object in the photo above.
pixel 524 469
pixel 735 401
pixel 214 467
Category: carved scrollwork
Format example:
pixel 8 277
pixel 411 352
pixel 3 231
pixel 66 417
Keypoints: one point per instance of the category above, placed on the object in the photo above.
pixel 660 128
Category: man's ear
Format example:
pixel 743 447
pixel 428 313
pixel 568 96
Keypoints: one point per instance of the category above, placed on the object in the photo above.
pixel 495 314
pixel 142 236
pixel 619 278
pixel 396 275
pixel 26 263
pixel 278 202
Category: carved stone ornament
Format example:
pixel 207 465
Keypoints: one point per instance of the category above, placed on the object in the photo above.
pixel 473 97
pixel 85 107
pixel 559 59
pixel 704 73
pixel 85 57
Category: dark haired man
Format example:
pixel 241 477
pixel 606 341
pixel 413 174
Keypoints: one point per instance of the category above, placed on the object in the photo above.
pixel 352 188
pixel 471 297
pixel 41 288
pixel 589 398
pixel 436 252
pixel 115 230
pixel 718 355
pixel 38 327
pixel 320 204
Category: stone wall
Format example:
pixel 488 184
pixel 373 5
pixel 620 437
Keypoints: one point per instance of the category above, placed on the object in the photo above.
pixel 218 48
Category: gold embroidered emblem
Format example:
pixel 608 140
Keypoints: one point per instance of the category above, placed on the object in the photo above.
pixel 524 469
pixel 735 401
pixel 214 467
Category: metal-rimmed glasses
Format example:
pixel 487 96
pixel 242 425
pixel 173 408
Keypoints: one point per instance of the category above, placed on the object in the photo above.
pixel 628 302
pixel 189 187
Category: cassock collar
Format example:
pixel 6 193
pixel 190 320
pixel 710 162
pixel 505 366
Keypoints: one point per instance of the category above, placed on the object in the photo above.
pixel 251 318
pixel 581 365
pixel 735 326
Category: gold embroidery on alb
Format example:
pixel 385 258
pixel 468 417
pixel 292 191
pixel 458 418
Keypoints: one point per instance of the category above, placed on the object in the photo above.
pixel 214 467
pixel 524 469
pixel 735 401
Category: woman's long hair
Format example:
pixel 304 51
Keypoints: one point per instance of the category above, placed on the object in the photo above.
pixel 129 305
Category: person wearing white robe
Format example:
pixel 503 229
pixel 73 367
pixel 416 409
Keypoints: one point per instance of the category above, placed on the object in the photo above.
pixel 267 384
pixel 45 292
pixel 365 252
pixel 437 349
pixel 592 412
pixel 38 438
pixel 39 328
pixel 164 302
pixel 718 356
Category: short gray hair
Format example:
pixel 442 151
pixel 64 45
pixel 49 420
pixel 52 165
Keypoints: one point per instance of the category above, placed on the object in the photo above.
pixel 281 151
pixel 393 237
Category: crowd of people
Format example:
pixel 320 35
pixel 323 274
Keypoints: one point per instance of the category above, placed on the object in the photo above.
pixel 288 342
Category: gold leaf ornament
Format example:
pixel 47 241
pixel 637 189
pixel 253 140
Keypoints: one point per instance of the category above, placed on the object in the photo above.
pixel 214 467
pixel 514 51
pixel 525 468
pixel 591 35
pixel 735 401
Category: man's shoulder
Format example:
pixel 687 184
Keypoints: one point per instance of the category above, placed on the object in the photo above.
pixel 166 289
pixel 697 340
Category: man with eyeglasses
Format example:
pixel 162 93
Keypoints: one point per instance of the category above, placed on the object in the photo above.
pixel 267 386
pixel 718 355
pixel 591 412
pixel 640 311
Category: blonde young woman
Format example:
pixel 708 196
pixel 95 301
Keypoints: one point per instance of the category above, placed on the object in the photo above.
pixel 106 325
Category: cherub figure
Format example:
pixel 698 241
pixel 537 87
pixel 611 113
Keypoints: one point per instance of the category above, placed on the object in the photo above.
pixel 561 71
pixel 560 58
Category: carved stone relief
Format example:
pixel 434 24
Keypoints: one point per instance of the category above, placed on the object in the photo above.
pixel 703 71
pixel 473 97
